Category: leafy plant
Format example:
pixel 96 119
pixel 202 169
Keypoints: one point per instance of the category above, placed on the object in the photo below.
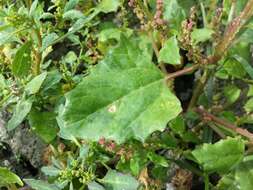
pixel 130 94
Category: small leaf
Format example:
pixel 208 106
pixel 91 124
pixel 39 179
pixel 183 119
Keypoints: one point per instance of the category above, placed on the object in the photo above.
pixel 249 105
pixel 107 6
pixel 170 52
pixel 221 156
pixel 232 93
pixel 118 181
pixel 247 67
pixel 201 35
pixel 48 40
pixel 234 68
pixel 34 85
pixel 50 171
pixel 157 159
pixel 33 7
pixel 52 79
pixel 8 178
pixel 40 185
pixel 177 125
pixel 22 60
pixel 73 14
pixel 95 186
pixel 70 5
pixel 43 124
pixel 22 109
pixel 174 14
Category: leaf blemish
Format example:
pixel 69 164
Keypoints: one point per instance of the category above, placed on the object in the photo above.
pixel 112 109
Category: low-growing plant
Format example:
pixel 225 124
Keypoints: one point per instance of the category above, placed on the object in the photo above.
pixel 131 95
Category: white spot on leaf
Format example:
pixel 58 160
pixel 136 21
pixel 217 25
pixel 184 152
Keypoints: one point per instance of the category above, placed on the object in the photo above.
pixel 112 109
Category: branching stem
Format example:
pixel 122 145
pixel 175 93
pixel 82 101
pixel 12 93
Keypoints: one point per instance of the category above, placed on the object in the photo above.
pixel 210 117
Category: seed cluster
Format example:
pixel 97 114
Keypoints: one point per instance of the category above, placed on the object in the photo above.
pixel 158 18
pixel 109 145
pixel 194 53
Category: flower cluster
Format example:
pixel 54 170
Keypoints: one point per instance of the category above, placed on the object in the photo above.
pixel 194 53
pixel 76 171
pixel 158 20
pixel 138 12
pixel 108 145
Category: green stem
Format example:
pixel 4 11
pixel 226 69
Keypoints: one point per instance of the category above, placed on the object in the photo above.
pixel 206 180
pixel 199 89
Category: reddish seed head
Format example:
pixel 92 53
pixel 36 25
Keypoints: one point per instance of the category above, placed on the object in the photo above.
pixel 159 1
pixel 102 141
pixel 159 21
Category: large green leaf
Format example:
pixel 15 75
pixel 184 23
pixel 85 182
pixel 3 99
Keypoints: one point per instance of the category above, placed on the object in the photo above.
pixel 124 97
pixel 118 181
pixel 22 60
pixel 221 156
pixel 21 110
pixel 7 178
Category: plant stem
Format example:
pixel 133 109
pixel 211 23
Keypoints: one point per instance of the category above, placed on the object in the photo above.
pixel 38 53
pixel 231 32
pixel 222 47
pixel 156 50
pixel 210 117
pixel 199 88
pixel 206 179
pixel 182 72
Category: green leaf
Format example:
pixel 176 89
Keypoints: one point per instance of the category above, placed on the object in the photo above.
pixel 95 186
pixel 201 35
pixel 40 185
pixel 52 79
pixel 34 85
pixel 8 178
pixel 240 178
pixel 48 40
pixel 73 14
pixel 107 6
pixel 249 94
pixel 247 67
pixel 249 105
pixel 113 33
pixel 22 60
pixel 170 52
pixel 174 14
pixel 234 68
pixel 33 7
pixel 50 171
pixel 70 5
pixel 177 125
pixel 157 159
pixel 232 93
pixel 244 174
pixel 43 124
pixel 22 109
pixel 124 97
pixel 221 156
pixel 118 181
